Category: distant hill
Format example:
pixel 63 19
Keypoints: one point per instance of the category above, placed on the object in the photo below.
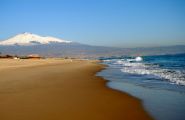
pixel 26 43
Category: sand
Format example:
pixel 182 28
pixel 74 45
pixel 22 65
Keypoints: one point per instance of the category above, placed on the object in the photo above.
pixel 61 90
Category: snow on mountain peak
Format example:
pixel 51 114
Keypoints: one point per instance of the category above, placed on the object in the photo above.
pixel 31 39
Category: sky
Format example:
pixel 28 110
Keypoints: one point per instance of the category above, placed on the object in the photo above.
pixel 118 23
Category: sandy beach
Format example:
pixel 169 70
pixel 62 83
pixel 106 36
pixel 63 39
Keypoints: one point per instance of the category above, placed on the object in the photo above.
pixel 61 90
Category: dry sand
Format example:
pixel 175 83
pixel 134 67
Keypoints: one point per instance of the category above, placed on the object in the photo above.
pixel 61 90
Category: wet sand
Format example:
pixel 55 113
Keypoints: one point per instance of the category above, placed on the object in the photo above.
pixel 61 90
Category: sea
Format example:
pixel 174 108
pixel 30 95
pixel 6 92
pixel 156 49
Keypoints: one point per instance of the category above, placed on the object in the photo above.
pixel 158 81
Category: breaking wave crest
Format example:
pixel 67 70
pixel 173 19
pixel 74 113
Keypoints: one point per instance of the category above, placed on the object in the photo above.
pixel 141 68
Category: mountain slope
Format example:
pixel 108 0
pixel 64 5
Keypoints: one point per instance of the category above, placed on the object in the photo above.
pixel 31 39
pixel 24 44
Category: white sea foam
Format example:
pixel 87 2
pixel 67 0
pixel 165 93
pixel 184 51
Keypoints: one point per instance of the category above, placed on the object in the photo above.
pixel 106 60
pixel 139 59
pixel 175 76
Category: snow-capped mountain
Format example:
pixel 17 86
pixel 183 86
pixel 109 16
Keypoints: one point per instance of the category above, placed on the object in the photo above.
pixel 31 39
pixel 27 43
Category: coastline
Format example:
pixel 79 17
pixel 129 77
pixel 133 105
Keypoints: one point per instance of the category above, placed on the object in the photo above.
pixel 151 81
pixel 63 89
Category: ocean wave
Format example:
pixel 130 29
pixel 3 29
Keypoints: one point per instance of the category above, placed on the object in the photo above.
pixel 174 76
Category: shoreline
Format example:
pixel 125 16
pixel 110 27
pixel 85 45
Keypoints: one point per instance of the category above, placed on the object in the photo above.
pixel 61 89
pixel 107 82
pixel 151 90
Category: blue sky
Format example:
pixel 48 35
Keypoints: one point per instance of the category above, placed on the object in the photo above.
pixel 120 23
